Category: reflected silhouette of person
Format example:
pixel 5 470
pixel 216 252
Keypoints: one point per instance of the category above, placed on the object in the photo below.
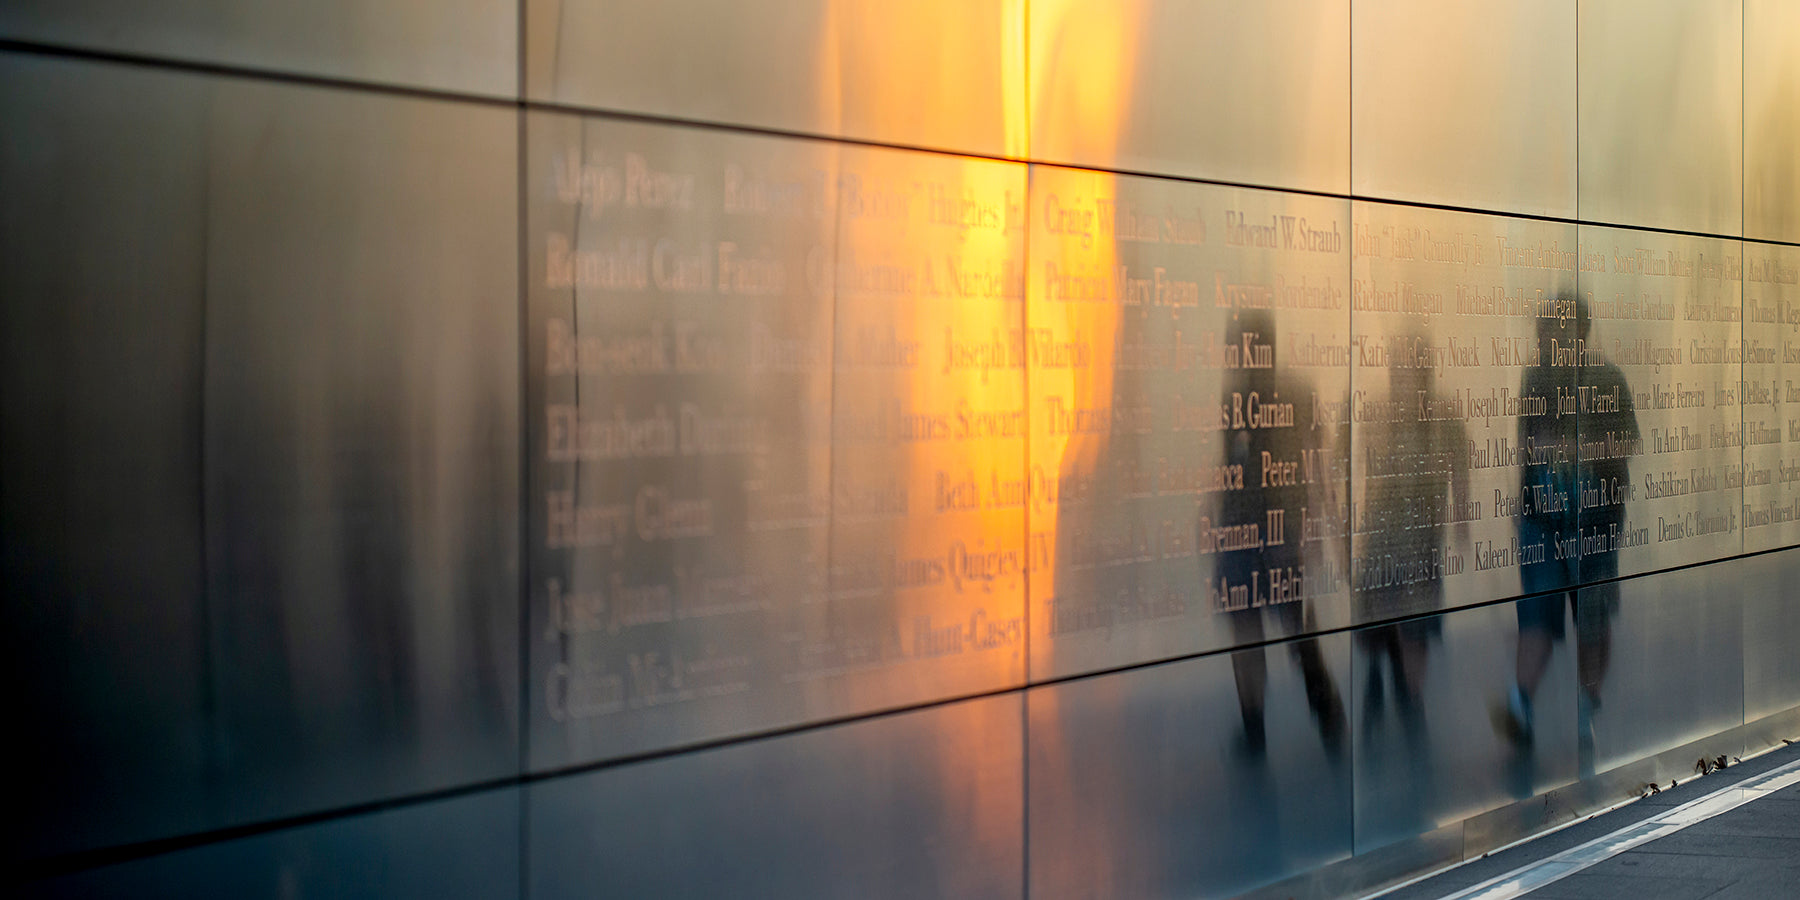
pixel 1244 575
pixel 1552 478
pixel 1417 481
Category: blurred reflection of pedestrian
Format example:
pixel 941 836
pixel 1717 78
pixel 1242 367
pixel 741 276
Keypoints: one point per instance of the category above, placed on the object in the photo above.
pixel 1416 486
pixel 1244 575
pixel 1551 482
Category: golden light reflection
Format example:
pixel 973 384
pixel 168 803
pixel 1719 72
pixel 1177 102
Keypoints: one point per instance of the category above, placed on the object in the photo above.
pixel 1771 120
pixel 947 73
pixel 1067 241
pixel 1106 38
pixel 1082 65
pixel 1099 102
pixel 931 397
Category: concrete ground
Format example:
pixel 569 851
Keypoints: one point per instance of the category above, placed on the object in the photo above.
pixel 1751 852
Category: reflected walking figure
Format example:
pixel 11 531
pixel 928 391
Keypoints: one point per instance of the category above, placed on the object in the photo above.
pixel 1244 574
pixel 1558 485
pixel 1412 503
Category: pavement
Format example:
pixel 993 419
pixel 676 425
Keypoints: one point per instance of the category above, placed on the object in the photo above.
pixel 1750 852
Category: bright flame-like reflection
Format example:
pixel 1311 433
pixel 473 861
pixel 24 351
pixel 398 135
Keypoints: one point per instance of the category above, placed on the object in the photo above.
pixel 907 78
pixel 1099 98
pixel 1099 102
pixel 930 395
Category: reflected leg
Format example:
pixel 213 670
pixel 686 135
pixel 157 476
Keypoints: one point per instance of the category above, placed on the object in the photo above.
pixel 1250 669
pixel 1377 647
pixel 1593 623
pixel 1535 643
pixel 1413 653
pixel 1593 646
pixel 1540 627
pixel 1322 692
pixel 1593 653
pixel 1411 645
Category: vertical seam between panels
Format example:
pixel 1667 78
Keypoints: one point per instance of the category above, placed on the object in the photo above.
pixel 524 531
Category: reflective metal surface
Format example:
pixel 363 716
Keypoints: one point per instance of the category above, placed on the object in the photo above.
pixel 1436 742
pixel 102 274
pixel 1468 104
pixel 919 804
pixel 1204 88
pixel 1769 394
pixel 462 847
pixel 1659 352
pixel 1462 403
pixel 1668 663
pixel 1661 113
pixel 1771 618
pixel 929 433
pixel 1283 518
pixel 779 442
pixel 454 45
pixel 360 446
pixel 941 73
pixel 1771 120
pixel 679 428
pixel 1204 777
pixel 1189 371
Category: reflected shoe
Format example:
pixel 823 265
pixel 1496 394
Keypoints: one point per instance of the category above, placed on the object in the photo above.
pixel 1512 719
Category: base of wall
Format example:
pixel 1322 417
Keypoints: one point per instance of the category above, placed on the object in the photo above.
pixel 1455 843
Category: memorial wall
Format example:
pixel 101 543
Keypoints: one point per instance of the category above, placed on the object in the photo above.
pixel 574 448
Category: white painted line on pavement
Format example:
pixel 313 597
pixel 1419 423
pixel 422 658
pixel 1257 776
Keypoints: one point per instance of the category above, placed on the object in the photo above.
pixel 1530 877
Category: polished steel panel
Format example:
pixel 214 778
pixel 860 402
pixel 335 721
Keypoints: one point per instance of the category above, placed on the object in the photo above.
pixel 938 73
pixel 462 847
pixel 102 275
pixel 453 45
pixel 1465 103
pixel 929 427
pixel 1367 873
pixel 1462 403
pixel 1189 365
pixel 1772 120
pixel 679 429
pixel 762 384
pixel 361 445
pixel 1437 738
pixel 919 804
pixel 1661 113
pixel 1659 348
pixel 1769 396
pixel 1207 88
pixel 1202 777
pixel 1771 631
pixel 1667 666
